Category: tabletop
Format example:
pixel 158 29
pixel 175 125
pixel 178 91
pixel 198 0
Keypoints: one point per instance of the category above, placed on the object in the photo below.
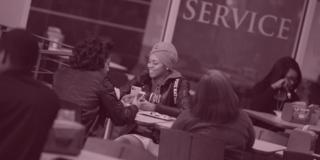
pixel 84 155
pixel 265 146
pixel 277 121
pixel 144 118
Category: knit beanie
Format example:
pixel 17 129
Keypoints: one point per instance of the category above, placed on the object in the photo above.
pixel 166 53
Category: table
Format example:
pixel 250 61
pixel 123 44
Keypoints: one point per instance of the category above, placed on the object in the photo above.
pixel 264 146
pixel 100 149
pixel 277 121
pixel 143 119
pixel 84 155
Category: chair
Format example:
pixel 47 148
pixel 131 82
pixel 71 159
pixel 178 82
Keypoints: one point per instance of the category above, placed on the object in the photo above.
pixel 291 155
pixel 108 130
pixel 116 149
pixel 70 109
pixel 270 136
pixel 180 145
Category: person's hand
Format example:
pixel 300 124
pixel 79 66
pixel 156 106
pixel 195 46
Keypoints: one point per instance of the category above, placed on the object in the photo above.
pixel 128 99
pixel 146 105
pixel 279 84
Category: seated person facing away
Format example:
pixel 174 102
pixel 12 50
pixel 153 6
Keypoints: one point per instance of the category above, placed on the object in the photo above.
pixel 28 108
pixel 167 92
pixel 86 84
pixel 215 113
pixel 277 87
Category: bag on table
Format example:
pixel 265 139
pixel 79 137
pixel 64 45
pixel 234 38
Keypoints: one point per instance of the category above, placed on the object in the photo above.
pixel 300 113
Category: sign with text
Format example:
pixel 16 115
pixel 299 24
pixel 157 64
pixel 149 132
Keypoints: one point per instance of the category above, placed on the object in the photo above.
pixel 241 37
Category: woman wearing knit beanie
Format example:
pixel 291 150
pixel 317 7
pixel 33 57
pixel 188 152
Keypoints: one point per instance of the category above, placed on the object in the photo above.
pixel 167 92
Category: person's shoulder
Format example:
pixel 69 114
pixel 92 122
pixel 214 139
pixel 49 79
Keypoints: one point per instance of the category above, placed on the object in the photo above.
pixel 38 93
pixel 42 90
pixel 183 120
pixel 244 117
pixel 63 70
pixel 107 83
pixel 176 74
pixel 186 115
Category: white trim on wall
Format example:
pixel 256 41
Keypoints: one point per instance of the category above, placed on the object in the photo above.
pixel 306 27
pixel 168 30
pixel 14 13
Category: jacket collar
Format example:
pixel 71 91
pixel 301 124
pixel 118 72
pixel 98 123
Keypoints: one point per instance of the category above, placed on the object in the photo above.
pixel 173 75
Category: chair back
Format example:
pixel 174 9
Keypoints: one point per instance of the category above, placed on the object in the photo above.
pixel 270 136
pixel 292 155
pixel 70 111
pixel 180 145
pixel 117 149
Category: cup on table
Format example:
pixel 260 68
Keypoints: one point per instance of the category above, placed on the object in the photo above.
pixel 278 113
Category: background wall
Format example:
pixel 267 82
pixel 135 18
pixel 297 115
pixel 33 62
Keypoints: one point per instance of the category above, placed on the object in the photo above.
pixel 122 20
pixel 311 60
pixel 156 23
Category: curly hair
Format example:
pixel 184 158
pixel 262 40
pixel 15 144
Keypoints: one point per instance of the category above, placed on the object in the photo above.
pixel 91 54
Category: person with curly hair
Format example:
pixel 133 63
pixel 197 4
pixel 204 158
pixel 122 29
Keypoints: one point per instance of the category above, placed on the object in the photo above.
pixel 85 84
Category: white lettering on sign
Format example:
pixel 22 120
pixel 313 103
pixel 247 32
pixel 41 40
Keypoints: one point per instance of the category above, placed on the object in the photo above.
pixel 219 15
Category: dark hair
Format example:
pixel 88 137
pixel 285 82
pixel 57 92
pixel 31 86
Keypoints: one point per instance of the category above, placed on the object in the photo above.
pixel 215 99
pixel 21 47
pixel 91 54
pixel 280 69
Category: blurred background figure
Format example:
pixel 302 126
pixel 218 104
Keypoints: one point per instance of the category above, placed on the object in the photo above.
pixel 86 84
pixel 277 87
pixel 54 35
pixel 28 108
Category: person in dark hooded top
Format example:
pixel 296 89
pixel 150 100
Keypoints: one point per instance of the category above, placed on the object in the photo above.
pixel 277 87
pixel 167 91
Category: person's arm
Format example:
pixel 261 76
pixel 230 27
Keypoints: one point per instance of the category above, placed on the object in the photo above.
pixel 118 114
pixel 181 120
pixel 250 129
pixel 183 101
pixel 262 98
pixel 137 81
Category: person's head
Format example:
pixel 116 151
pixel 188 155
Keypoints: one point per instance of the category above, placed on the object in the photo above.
pixel 91 54
pixel 285 67
pixel 215 99
pixel 162 59
pixel 19 50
